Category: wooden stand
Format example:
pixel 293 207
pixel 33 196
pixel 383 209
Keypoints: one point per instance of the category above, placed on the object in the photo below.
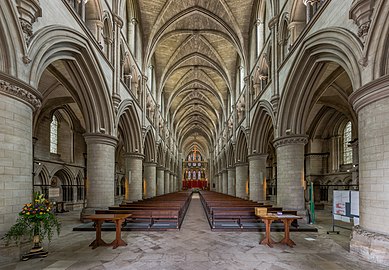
pixel 99 219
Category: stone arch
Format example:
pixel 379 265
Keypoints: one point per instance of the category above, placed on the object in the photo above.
pixel 149 146
pixel 298 19
pixel 160 155
pixel 11 39
pixel 230 155
pixel 91 93
pixel 93 17
pixel 241 147
pixel 328 45
pixel 262 128
pixel 107 36
pixel 42 176
pixel 67 180
pixel 128 123
pixel 377 41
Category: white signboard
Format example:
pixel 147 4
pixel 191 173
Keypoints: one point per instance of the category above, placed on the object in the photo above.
pixel 53 192
pixel 341 197
pixel 354 203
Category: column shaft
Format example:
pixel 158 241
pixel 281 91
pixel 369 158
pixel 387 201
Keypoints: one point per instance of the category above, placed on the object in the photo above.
pixel 242 174
pixel 171 182
pixel 231 181
pixel 290 172
pixel 16 158
pixel 101 170
pixel 166 181
pixel 160 181
pixel 134 177
pixel 150 171
pixel 371 239
pixel 225 182
pixel 257 172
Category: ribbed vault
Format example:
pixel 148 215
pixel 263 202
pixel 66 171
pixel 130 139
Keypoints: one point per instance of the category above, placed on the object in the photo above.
pixel 195 49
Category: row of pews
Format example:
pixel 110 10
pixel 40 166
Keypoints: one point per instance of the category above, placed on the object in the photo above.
pixel 158 213
pixel 226 212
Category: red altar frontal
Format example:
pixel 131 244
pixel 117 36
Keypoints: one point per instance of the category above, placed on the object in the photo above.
pixel 188 184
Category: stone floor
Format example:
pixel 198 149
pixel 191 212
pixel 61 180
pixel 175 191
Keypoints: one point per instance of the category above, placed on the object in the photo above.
pixel 195 246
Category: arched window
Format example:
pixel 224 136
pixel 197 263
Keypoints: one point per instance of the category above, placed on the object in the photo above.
pixel 54 135
pixel 347 151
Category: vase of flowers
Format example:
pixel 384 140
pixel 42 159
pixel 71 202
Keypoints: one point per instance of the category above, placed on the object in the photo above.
pixel 37 221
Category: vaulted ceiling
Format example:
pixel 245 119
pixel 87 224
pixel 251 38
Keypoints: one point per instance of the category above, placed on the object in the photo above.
pixel 195 47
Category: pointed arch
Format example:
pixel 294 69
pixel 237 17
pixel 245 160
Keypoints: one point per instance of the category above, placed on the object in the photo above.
pixel 128 123
pixel 149 146
pixel 262 128
pixel 327 45
pixel 231 155
pixel 11 39
pixel 88 88
pixel 241 147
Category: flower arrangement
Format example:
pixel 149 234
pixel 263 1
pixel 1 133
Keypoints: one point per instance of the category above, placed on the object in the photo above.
pixel 35 219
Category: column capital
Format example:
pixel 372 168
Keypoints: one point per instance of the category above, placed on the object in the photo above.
pixel 20 91
pixel 150 164
pixel 134 155
pixel 273 22
pixel 100 138
pixel 241 164
pixel 231 168
pixel 258 156
pixel 160 168
pixel 370 93
pixel 118 21
pixel 291 139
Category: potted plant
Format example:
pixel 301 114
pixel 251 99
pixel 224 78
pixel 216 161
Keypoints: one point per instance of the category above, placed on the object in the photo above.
pixel 36 221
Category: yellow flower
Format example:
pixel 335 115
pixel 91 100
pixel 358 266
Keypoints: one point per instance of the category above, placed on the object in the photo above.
pixel 28 213
pixel 40 213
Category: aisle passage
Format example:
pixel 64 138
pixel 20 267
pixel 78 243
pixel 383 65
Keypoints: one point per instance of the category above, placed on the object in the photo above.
pixel 194 247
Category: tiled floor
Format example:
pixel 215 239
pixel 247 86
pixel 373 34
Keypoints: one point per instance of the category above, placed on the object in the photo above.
pixel 195 246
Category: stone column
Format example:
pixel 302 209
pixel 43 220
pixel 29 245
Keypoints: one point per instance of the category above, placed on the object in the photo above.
pixel 17 102
pixel 171 180
pixel 166 181
pixel 257 172
pixel 150 171
pixel 101 170
pixel 160 180
pixel 231 181
pixel 118 24
pixel 290 171
pixel 371 238
pixel 225 182
pixel 134 176
pixel 242 174
pixel 220 182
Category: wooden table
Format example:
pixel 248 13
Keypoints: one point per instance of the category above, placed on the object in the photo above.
pixel 99 220
pixel 287 220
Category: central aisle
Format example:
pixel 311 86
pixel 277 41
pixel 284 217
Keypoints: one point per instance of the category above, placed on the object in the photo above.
pixel 194 247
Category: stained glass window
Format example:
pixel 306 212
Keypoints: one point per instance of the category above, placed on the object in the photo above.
pixel 54 135
pixel 347 151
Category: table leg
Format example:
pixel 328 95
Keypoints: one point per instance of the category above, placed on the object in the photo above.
pixel 267 240
pixel 286 240
pixel 118 240
pixel 98 241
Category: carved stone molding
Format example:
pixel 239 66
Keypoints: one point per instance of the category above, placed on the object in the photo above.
pixel 134 156
pixel 23 94
pixel 361 12
pixel 293 139
pixel 257 157
pixel 100 138
pixel 29 12
pixel 370 93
